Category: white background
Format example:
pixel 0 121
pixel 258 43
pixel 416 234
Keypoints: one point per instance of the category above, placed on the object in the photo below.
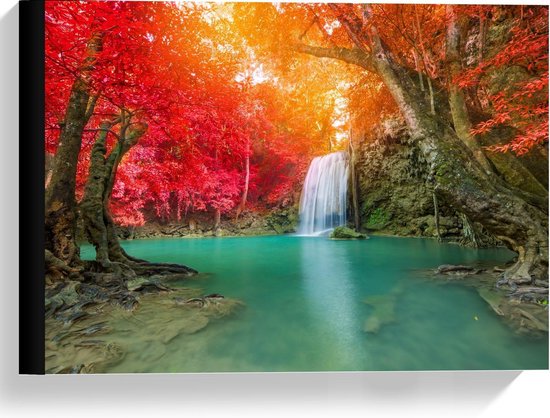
pixel 294 394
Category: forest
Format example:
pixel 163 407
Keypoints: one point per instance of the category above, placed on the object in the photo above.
pixel 180 120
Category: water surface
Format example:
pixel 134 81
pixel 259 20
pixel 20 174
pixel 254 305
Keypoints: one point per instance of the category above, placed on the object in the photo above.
pixel 306 309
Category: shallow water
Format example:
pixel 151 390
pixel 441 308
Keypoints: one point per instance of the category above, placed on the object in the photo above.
pixel 310 302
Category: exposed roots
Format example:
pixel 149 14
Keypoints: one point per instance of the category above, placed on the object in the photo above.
pixel 531 268
pixel 474 235
pixel 148 269
pixel 57 269
pixel 530 294
pixel 203 301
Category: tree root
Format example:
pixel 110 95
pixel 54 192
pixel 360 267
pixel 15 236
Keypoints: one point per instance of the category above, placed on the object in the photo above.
pixel 202 302
pixel 474 235
pixel 529 294
pixel 531 268
pixel 57 269
pixel 149 269
pixel 457 269
pixel 129 269
pixel 144 267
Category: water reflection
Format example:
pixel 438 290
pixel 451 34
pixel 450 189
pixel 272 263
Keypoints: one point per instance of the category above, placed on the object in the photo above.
pixel 332 299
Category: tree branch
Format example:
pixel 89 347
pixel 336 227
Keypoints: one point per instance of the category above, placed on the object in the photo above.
pixel 351 56
pixel 103 130
pixel 304 33
pixel 352 24
pixel 91 106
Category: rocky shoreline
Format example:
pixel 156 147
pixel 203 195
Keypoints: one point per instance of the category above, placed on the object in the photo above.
pixel 80 314
pixel 524 310
pixel 277 222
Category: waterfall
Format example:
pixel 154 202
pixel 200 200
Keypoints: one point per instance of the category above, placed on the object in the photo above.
pixel 324 195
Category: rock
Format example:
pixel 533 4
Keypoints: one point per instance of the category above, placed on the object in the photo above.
pixel 383 312
pixel 159 320
pixel 111 354
pixel 392 177
pixel 146 285
pixel 534 322
pixel 99 328
pixel 255 232
pixel 154 351
pixel 448 221
pixel 184 324
pixel 343 232
pixel 256 223
pixel 492 298
pixel 372 325
pixel 283 221
pixel 71 315
pixel 93 292
pixel 378 219
pixel 63 295
pixel 457 270
pixel 522 309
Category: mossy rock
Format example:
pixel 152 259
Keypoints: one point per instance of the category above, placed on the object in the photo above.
pixel 343 232
pixel 378 219
pixel 283 221
pixel 63 295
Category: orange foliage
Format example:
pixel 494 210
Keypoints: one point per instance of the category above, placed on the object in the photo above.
pixel 221 83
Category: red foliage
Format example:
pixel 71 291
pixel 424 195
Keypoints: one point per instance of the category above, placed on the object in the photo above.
pixel 190 72
pixel 161 61
pixel 522 104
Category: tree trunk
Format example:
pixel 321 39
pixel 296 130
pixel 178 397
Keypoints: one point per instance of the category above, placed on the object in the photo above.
pixel 48 163
pixel 482 35
pixel 461 181
pixel 432 98
pixel 429 73
pixel 129 136
pixel 456 30
pixel 60 203
pixel 91 205
pixel 354 193
pixel 504 163
pixel 98 222
pixel 242 204
pixel 217 219
pixel 418 69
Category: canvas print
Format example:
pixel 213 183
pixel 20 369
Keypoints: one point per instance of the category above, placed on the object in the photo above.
pixel 289 187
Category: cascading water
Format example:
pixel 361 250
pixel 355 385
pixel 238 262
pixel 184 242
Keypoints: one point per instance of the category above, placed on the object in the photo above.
pixel 324 195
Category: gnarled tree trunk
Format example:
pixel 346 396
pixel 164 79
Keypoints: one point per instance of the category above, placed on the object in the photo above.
pixel 92 205
pixel 461 181
pixel 60 204
pixel 95 210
